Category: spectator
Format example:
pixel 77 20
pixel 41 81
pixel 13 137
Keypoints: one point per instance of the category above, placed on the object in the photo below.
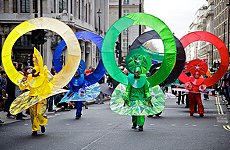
pixel 3 84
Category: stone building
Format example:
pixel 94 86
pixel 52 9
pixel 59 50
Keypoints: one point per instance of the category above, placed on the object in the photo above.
pixel 212 18
pixel 80 15
pixel 221 23
pixel 130 34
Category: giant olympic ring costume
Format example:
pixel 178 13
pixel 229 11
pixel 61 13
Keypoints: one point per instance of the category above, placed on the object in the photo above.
pixel 89 82
pixel 117 103
pixel 59 80
pixel 221 47
pixel 180 59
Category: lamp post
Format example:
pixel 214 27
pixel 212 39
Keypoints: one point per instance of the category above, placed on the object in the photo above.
pixel 127 34
pixel 99 21
pixel 119 38
pixel 140 11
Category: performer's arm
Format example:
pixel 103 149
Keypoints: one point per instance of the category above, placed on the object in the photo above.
pixel 126 95
pixel 147 95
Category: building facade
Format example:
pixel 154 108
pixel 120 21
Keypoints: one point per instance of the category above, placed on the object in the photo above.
pixel 214 18
pixel 221 23
pixel 80 15
pixel 195 49
pixel 130 34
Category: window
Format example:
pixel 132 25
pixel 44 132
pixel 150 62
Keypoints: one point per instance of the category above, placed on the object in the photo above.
pixel 125 2
pixel 125 12
pixel 86 13
pixel 35 6
pixel 71 6
pixel 6 6
pixel 79 9
pixel 53 6
pixel 89 12
pixel 25 6
pixel 63 5
pixel 15 6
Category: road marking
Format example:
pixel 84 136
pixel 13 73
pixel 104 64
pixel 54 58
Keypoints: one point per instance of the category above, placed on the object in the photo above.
pixel 26 124
pixel 109 124
pixel 226 127
pixel 194 125
pixel 57 114
pixel 172 124
pixel 219 107
pixel 88 124
pixel 67 124
pixel 152 124
pixel 215 125
pixel 186 124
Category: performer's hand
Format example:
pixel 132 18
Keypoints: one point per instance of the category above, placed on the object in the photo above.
pixel 126 103
pixel 202 87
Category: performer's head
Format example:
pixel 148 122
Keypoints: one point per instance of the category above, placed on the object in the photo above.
pixel 197 75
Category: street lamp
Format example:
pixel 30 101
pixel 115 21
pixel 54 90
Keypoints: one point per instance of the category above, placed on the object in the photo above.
pixel 99 21
pixel 140 12
pixel 127 33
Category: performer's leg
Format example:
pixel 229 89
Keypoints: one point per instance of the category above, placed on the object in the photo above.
pixel 200 105
pixel 37 119
pixel 140 122
pixel 41 109
pixel 191 103
pixel 179 98
pixel 78 105
pixel 134 121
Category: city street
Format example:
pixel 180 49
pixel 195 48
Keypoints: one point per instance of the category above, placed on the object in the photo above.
pixel 99 128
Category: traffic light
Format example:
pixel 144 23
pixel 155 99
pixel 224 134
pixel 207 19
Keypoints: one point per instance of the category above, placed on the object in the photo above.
pixel 118 49
pixel 38 36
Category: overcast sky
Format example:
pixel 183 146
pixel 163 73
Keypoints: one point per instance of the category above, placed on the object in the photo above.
pixel 177 14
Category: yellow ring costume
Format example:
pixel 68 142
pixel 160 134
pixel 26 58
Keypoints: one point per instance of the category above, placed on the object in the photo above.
pixel 43 85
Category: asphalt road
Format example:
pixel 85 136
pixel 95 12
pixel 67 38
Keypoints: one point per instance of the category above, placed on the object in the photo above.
pixel 101 129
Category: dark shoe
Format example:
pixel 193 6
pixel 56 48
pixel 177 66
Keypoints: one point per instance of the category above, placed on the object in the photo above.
pixel 34 133
pixel 186 107
pixel 1 122
pixel 178 103
pixel 77 117
pixel 86 107
pixel 140 128
pixel 24 115
pixel 201 115
pixel 191 114
pixel 43 129
pixel 19 118
pixel 10 116
pixel 134 126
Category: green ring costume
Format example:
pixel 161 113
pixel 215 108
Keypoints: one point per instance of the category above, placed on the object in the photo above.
pixel 142 96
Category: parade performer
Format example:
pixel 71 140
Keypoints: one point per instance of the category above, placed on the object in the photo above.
pixel 82 88
pixel 142 96
pixel 37 82
pixel 137 94
pixel 196 84
pixel 40 83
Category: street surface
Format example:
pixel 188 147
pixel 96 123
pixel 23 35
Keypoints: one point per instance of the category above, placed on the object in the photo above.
pixel 101 129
